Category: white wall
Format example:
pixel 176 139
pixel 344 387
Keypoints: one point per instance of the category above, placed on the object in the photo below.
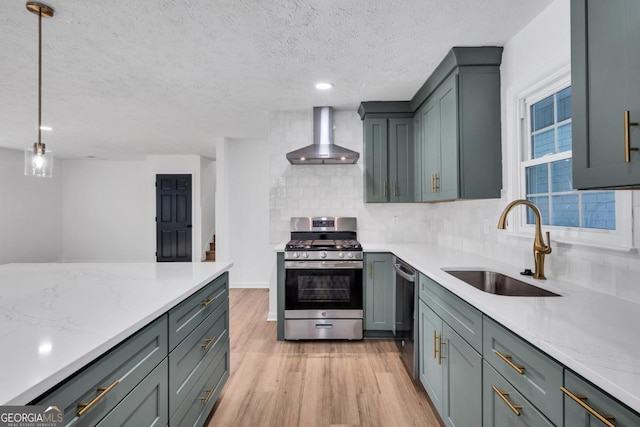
pixel 105 215
pixel 109 207
pixel 208 201
pixel 248 205
pixel 30 212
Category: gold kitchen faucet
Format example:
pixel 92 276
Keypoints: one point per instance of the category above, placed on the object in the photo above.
pixel 540 249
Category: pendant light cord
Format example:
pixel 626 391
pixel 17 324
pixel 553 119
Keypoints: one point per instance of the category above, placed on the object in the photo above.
pixel 40 78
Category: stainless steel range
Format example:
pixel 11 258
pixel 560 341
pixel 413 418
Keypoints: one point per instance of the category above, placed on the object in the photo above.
pixel 323 279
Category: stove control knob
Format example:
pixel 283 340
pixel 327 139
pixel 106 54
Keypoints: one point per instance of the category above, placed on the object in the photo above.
pixel 341 255
pixel 350 254
pixel 323 254
pixel 305 255
pixel 296 254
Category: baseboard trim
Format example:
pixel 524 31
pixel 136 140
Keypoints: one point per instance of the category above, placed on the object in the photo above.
pixel 250 285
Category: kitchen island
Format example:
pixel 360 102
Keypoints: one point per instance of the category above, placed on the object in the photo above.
pixel 55 319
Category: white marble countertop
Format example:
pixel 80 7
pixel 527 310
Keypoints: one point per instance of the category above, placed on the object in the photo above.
pixel 592 333
pixel 56 318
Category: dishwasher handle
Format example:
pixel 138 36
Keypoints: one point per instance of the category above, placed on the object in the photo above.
pixel 410 276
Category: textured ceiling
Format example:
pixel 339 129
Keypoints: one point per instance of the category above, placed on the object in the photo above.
pixel 124 78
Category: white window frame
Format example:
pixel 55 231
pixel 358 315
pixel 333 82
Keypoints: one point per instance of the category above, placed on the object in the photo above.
pixel 620 239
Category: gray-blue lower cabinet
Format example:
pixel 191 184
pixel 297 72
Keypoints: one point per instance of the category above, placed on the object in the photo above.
pixel 89 396
pixel 431 374
pixel 502 405
pixel 191 360
pixel 146 405
pixel 587 406
pixel 379 292
pixel 532 373
pixel 450 370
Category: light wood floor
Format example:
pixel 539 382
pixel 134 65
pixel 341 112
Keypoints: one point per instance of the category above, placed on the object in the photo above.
pixel 312 383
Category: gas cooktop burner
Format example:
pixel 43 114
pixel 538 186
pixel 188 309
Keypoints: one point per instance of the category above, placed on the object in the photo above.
pixel 324 245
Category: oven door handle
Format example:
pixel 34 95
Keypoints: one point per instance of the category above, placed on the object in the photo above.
pixel 323 265
pixel 405 275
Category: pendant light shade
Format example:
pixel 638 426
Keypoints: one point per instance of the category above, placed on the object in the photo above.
pixel 38 161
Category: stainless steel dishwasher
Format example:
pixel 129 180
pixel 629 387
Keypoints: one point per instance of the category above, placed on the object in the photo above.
pixel 406 320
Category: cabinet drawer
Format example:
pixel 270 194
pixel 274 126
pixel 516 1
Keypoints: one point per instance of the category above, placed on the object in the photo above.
pixel 146 405
pixel 187 315
pixel 200 400
pixel 123 367
pixel 496 410
pixel 529 370
pixel 461 316
pixel 599 402
pixel 188 361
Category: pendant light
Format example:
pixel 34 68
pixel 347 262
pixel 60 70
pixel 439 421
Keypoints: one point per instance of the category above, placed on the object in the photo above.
pixel 38 161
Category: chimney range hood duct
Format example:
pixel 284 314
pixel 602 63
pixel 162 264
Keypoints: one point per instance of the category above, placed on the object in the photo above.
pixel 323 151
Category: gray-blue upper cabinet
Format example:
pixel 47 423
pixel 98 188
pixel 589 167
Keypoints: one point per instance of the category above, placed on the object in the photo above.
pixel 458 153
pixel 388 152
pixel 605 59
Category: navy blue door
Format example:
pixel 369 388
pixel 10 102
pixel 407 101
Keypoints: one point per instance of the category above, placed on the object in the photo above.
pixel 173 218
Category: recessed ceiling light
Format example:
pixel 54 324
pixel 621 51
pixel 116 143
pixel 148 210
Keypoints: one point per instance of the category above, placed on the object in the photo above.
pixel 323 86
pixel 46 128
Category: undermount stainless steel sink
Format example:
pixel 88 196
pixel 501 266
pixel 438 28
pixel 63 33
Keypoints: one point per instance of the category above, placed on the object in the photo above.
pixel 497 283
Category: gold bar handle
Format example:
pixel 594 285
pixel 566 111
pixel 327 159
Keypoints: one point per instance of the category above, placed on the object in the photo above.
pixel 384 188
pixel 437 183
pixel 441 342
pixel 395 189
pixel 209 392
pixel 208 301
pixel 102 392
pixel 503 395
pixel 507 358
pixel 433 183
pixel 208 343
pixel 579 399
pixel 627 137
pixel 371 270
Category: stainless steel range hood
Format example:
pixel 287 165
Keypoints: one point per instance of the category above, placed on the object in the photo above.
pixel 323 151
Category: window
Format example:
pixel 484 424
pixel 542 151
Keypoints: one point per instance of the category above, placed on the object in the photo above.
pixel 548 173
pixel 545 177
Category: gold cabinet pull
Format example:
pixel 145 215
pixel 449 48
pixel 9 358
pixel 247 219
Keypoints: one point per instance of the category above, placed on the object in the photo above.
pixel 433 183
pixel 627 137
pixel 579 399
pixel 437 183
pixel 209 392
pixel 503 395
pixel 441 342
pixel 208 343
pixel 371 269
pixel 507 358
pixel 395 189
pixel 208 301
pixel 102 392
pixel 384 188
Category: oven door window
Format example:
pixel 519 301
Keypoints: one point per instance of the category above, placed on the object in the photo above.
pixel 323 289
